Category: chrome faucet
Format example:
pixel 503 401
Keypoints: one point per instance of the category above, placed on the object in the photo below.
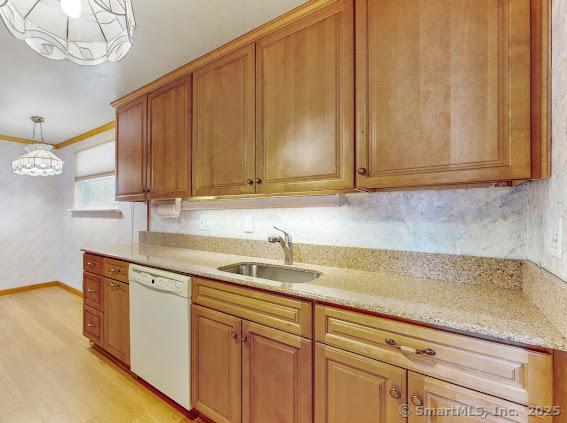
pixel 286 244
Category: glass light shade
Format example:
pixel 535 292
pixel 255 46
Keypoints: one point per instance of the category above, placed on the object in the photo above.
pixel 38 161
pixel 71 8
pixel 103 31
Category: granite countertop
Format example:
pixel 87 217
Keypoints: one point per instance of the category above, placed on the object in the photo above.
pixel 486 311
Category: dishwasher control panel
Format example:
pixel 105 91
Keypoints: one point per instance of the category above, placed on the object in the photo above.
pixel 161 280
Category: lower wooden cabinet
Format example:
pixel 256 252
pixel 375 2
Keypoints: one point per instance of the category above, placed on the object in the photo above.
pixel 216 352
pixel 93 325
pixel 117 319
pixel 353 388
pixel 433 400
pixel 244 371
pixel 276 376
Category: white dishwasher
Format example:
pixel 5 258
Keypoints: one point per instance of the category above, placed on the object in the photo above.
pixel 160 324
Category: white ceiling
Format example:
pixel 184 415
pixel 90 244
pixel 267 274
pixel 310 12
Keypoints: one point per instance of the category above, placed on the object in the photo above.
pixel 74 99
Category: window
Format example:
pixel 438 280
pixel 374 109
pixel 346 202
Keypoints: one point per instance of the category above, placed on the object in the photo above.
pixel 95 177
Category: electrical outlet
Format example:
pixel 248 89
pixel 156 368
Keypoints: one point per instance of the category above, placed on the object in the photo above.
pixel 204 223
pixel 248 224
pixel 554 238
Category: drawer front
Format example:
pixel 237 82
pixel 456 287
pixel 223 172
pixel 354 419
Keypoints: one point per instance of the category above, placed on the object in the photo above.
pixel 93 264
pixel 507 372
pixel 93 325
pixel 289 315
pixel 116 269
pixel 93 291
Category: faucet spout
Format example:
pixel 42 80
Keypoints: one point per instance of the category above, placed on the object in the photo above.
pixel 286 243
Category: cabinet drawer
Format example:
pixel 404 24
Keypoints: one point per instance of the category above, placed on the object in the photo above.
pixel 116 269
pixel 93 325
pixel 507 372
pixel 93 291
pixel 293 316
pixel 93 264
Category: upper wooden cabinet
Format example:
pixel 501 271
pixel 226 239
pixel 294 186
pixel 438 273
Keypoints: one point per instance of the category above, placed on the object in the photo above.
pixel 443 91
pixel 169 123
pixel 305 104
pixel 223 125
pixel 131 150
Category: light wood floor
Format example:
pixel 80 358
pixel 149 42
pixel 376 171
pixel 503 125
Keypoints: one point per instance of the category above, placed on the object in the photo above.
pixel 48 372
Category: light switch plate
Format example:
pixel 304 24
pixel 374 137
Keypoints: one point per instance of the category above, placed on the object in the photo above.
pixel 554 238
pixel 248 224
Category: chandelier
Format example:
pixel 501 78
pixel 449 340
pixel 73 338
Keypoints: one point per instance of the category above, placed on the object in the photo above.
pixel 38 160
pixel 87 32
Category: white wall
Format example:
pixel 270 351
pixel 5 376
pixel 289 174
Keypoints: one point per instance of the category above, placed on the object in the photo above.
pixel 547 200
pixel 29 221
pixel 78 231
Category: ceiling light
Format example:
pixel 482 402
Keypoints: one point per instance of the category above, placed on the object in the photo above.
pixel 38 160
pixel 87 32
pixel 71 8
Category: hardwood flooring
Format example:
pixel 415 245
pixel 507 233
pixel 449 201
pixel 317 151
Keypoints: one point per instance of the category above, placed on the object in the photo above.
pixel 49 372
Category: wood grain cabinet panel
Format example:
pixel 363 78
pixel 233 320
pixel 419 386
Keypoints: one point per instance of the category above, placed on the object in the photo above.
pixel 93 264
pixel 93 291
pixel 169 111
pixel 117 319
pixel 223 125
pixel 353 388
pixel 513 373
pixel 216 353
pixel 93 325
pixel 305 104
pixel 116 269
pixel 443 92
pixel 131 150
pixel 276 376
pixel 454 404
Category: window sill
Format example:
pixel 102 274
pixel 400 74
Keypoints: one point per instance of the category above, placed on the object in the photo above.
pixel 92 212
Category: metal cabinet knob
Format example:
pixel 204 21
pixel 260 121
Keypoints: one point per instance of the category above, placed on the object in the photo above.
pixel 90 325
pixel 89 264
pixel 244 338
pixel 258 180
pixel 416 400
pixel 233 334
pixel 250 181
pixel 91 291
pixel 361 171
pixel 394 393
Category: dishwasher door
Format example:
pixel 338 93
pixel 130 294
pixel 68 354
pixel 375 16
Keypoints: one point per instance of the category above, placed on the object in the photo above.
pixel 160 340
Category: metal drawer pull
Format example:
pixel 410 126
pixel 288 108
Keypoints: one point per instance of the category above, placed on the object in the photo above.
pixel 113 270
pixel 90 325
pixel 417 401
pixel 426 351
pixel 113 285
pixel 244 338
pixel 233 334
pixel 89 264
pixel 91 291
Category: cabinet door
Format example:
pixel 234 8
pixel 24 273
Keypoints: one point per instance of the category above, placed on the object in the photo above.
pixel 305 104
pixel 131 151
pixel 117 320
pixel 442 400
pixel 223 125
pixel 169 111
pixel 216 364
pixel 276 376
pixel 443 92
pixel 353 388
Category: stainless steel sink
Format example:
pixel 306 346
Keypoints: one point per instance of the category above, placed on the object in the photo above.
pixel 272 272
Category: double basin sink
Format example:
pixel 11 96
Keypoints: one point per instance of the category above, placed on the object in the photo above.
pixel 272 272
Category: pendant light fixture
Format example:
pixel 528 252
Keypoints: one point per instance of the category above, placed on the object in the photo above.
pixel 38 160
pixel 86 32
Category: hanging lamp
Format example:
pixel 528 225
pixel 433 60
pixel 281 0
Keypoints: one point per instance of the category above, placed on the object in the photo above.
pixel 86 32
pixel 38 160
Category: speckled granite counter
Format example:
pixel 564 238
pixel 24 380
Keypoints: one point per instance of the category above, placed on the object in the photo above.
pixel 487 311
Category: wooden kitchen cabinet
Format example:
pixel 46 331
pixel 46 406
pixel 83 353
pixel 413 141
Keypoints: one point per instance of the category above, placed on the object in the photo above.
pixel 131 150
pixel 223 125
pixel 353 388
pixel 276 376
pixel 117 319
pixel 169 140
pixel 426 393
pixel 216 353
pixel 443 92
pixel 305 104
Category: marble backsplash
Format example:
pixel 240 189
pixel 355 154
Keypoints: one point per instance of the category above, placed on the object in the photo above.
pixel 503 273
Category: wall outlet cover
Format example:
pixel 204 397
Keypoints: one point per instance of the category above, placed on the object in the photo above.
pixel 248 224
